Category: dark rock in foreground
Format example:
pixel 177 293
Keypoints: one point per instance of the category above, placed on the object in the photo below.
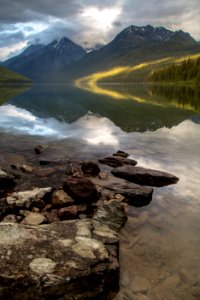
pixel 81 189
pixel 117 161
pixel 144 176
pixel 7 182
pixel 90 168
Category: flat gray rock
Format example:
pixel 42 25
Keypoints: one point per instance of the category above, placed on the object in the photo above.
pixel 145 176
pixel 67 260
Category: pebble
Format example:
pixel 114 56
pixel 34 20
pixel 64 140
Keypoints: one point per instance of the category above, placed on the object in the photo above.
pixel 60 198
pixel 34 218
pixel 103 175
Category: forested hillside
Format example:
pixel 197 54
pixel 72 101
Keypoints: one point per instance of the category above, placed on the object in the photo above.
pixel 185 71
pixel 7 76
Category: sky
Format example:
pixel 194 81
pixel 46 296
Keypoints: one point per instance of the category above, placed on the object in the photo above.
pixel 87 22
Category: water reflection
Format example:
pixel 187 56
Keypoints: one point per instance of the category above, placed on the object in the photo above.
pixel 67 104
pixel 8 92
pixel 90 128
pixel 160 242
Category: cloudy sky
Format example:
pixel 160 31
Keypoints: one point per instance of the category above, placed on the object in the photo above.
pixel 88 22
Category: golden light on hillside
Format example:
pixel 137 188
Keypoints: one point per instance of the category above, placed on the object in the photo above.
pixel 92 84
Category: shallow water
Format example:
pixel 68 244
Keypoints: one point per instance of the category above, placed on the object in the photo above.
pixel 160 243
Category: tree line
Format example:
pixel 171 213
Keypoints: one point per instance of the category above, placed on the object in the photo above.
pixel 186 71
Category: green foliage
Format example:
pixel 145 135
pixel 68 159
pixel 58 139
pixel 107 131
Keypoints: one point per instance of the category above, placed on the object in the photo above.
pixel 7 76
pixel 186 71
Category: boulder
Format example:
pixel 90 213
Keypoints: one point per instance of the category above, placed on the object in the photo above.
pixel 117 161
pixel 26 198
pixel 81 189
pixel 90 168
pixel 144 176
pixel 66 260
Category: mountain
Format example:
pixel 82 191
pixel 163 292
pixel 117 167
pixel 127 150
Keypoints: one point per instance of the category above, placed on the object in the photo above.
pixel 134 45
pixel 38 60
pixel 7 76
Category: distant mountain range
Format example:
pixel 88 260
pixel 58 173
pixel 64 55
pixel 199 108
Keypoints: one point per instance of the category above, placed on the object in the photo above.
pixel 65 60
pixel 38 60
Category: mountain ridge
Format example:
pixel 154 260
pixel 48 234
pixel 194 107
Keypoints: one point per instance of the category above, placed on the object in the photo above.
pixel 65 60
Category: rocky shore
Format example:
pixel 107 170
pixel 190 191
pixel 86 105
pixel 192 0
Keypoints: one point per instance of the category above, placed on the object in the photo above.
pixel 59 240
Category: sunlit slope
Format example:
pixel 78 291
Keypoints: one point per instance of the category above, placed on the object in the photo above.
pixel 7 76
pixel 182 71
pixel 93 84
pixel 128 74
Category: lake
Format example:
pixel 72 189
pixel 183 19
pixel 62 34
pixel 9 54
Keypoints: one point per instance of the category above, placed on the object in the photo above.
pixel 160 128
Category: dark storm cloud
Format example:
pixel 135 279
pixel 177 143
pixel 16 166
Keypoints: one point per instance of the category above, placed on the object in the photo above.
pixel 45 20
pixel 9 39
pixel 25 10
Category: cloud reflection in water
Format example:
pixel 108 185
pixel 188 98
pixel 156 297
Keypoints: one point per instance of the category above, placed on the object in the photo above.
pixel 90 128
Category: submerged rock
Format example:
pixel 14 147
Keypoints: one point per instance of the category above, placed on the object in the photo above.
pixel 117 161
pixel 111 214
pixel 81 189
pixel 145 176
pixel 67 260
pixel 121 153
pixel 133 194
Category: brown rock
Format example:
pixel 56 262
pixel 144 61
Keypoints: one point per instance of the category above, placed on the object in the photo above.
pixel 60 198
pixel 81 189
pixel 144 176
pixel 52 216
pixel 43 172
pixel 121 153
pixel 90 168
pixel 39 149
pixel 68 212
pixel 117 161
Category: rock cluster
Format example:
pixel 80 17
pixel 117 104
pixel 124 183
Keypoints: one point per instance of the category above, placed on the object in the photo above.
pixel 67 236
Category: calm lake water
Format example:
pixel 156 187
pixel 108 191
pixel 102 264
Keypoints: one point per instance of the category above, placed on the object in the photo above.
pixel 160 128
